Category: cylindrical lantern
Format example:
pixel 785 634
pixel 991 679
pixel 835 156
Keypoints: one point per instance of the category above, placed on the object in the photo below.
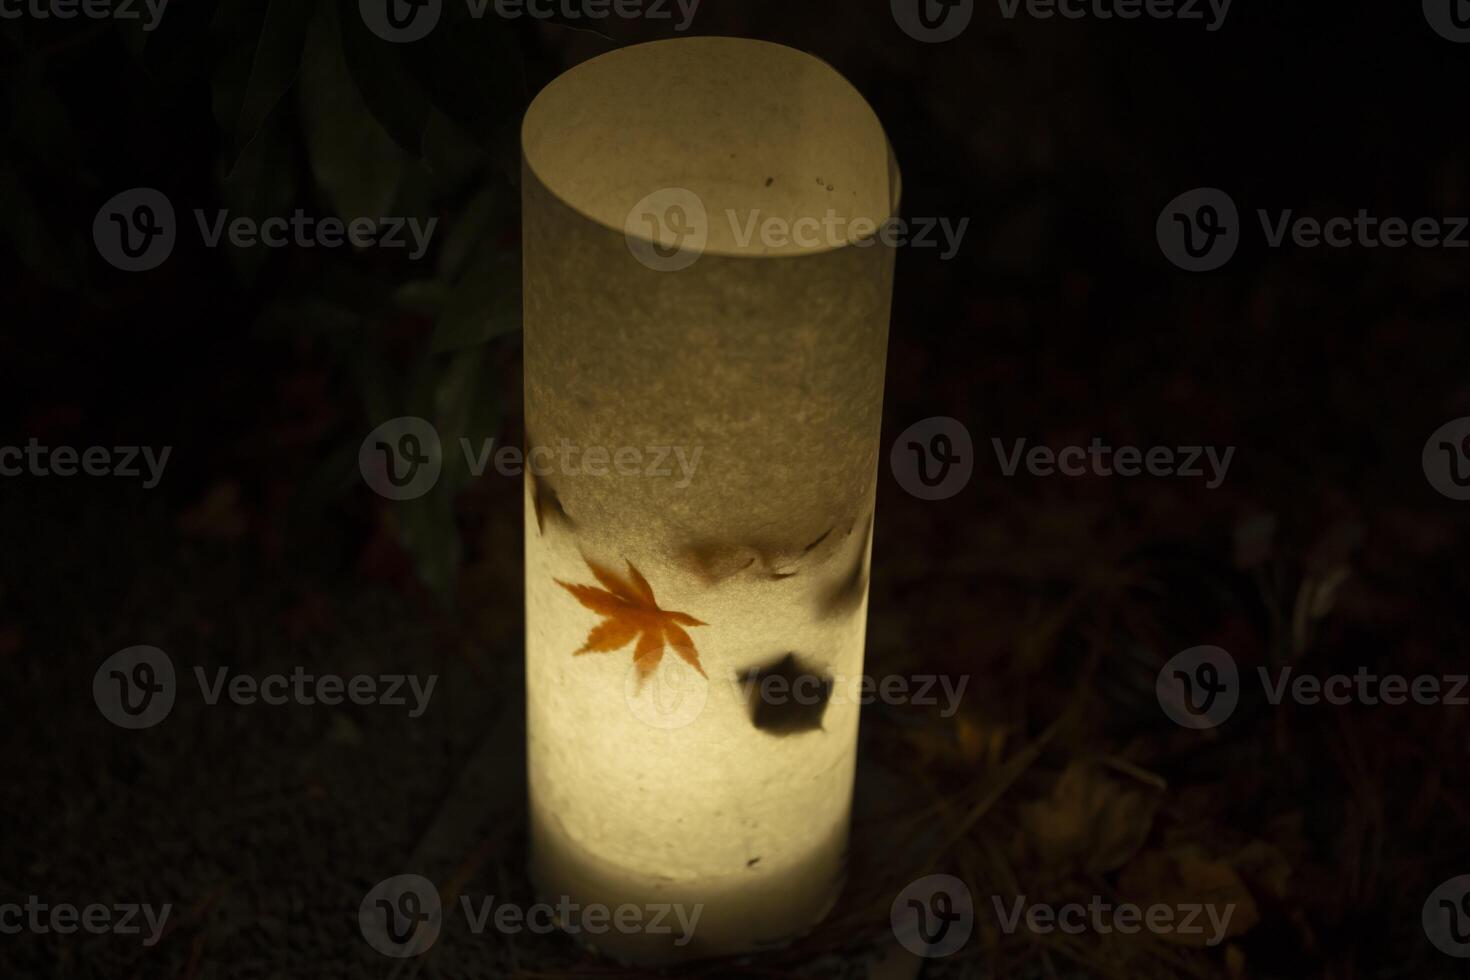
pixel 707 281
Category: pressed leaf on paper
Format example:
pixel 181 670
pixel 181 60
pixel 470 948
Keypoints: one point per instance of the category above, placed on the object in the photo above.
pixel 547 504
pixel 630 612
pixel 790 715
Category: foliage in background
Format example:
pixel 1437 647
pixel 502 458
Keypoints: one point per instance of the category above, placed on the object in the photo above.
pixel 306 108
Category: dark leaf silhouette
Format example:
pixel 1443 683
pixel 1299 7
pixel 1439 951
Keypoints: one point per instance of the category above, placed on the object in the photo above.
pixel 786 697
pixel 846 596
pixel 715 561
pixel 813 546
pixel 547 504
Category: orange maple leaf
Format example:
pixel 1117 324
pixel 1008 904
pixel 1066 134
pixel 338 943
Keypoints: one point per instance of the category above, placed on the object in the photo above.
pixel 630 611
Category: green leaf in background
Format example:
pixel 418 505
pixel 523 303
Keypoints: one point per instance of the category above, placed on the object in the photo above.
pixel 471 68
pixel 427 531
pixel 395 98
pixel 261 185
pixel 235 21
pixel 352 287
pixel 487 214
pixel 134 38
pixel 484 295
pixel 484 303
pixel 451 154
pixel 259 70
pixel 332 477
pixel 24 227
pixel 314 316
pixel 41 128
pixel 174 47
pixel 421 297
pixel 379 389
pixel 354 160
pixel 467 410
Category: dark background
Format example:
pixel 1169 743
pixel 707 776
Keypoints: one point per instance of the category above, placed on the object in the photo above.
pixel 1059 320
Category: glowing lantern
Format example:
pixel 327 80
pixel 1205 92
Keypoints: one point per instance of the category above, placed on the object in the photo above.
pixel 706 317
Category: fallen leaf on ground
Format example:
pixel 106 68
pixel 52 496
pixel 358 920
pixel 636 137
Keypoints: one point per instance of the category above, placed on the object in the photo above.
pixel 1095 819
pixel 1185 875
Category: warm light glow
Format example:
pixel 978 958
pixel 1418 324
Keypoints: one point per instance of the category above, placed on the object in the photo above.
pixel 652 599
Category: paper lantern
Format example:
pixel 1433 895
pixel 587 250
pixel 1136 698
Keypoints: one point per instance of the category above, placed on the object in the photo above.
pixel 705 275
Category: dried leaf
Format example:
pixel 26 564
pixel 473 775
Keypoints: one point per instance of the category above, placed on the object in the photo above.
pixel 629 610
pixel 1094 819
pixel 1185 875
pixel 218 515
pixel 1255 540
